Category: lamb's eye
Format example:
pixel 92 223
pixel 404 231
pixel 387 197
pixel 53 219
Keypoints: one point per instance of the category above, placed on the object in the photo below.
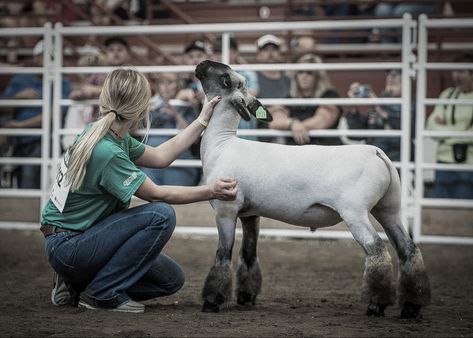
pixel 240 84
pixel 226 81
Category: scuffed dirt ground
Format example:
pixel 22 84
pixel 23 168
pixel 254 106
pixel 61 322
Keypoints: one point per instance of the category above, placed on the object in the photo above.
pixel 310 288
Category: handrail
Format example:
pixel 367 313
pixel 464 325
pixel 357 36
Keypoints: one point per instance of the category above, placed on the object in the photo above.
pixel 409 65
pixel 422 66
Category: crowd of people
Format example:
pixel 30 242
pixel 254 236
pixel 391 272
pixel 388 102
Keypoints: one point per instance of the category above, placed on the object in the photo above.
pixel 177 97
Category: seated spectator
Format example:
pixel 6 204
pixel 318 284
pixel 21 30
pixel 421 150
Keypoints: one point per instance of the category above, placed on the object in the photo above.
pixel 380 117
pixel 80 114
pixel 167 112
pixel 451 183
pixel 301 119
pixel 383 9
pixel 194 54
pixel 117 53
pixel 28 86
pixel 249 75
pixel 272 83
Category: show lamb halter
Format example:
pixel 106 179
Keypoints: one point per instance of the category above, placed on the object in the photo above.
pixel 312 186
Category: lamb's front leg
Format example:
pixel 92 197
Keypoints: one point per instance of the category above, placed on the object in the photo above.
pixel 218 284
pixel 249 273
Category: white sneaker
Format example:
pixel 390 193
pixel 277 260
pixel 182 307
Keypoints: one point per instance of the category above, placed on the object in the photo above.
pixel 131 307
pixel 60 294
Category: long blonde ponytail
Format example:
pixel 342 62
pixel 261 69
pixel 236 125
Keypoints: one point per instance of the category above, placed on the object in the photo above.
pixel 125 97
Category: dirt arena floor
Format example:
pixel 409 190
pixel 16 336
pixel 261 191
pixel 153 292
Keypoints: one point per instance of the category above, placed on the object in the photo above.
pixel 310 288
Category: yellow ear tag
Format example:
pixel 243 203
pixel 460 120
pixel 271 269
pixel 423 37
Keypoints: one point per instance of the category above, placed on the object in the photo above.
pixel 261 113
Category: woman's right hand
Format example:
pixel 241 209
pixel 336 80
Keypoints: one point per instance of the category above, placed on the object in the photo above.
pixel 224 189
pixel 207 109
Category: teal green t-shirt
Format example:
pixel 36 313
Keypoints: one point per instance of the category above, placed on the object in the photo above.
pixel 110 181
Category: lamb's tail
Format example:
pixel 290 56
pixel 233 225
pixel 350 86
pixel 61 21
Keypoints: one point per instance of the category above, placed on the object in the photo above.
pixel 393 193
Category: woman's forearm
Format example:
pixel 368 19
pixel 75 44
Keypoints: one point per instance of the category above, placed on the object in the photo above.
pixel 170 150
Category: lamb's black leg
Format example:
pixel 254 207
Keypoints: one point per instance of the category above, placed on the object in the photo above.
pixel 249 274
pixel 218 284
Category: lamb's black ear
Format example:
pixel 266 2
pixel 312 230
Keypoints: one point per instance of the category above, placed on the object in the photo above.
pixel 239 103
pixel 258 110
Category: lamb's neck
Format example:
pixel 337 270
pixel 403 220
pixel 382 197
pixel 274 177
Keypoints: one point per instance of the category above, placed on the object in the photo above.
pixel 222 127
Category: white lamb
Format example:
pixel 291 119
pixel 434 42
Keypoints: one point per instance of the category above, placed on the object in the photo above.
pixel 312 186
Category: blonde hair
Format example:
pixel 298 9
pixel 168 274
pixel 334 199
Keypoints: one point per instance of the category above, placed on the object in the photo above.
pixel 125 96
pixel 322 81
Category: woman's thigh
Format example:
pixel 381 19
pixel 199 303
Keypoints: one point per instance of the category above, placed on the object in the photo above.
pixel 83 255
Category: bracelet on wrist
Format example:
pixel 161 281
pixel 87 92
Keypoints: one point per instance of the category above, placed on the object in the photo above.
pixel 202 122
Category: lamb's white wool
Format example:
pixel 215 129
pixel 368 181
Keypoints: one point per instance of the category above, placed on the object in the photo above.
pixel 312 186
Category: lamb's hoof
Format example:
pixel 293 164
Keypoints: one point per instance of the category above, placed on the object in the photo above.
pixel 210 307
pixel 245 298
pixel 410 311
pixel 376 310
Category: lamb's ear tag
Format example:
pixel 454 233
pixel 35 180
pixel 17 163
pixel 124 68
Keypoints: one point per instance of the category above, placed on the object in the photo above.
pixel 261 113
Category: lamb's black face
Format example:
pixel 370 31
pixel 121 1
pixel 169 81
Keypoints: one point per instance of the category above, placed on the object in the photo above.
pixel 218 78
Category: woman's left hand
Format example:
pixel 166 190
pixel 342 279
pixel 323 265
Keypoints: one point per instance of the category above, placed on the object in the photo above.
pixel 208 108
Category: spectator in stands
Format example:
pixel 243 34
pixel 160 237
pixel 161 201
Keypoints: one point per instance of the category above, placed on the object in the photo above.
pixel 450 183
pixel 249 75
pixel 117 53
pixel 301 119
pixel 303 44
pixel 272 83
pixel 386 9
pixel 79 114
pixel 194 53
pixel 167 112
pixel 29 86
pixel 380 117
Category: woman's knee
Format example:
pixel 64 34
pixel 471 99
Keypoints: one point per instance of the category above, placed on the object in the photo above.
pixel 177 282
pixel 165 215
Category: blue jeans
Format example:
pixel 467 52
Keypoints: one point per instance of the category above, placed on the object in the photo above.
pixel 453 184
pixel 119 258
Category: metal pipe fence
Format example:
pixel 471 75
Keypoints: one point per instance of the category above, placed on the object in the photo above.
pixel 412 195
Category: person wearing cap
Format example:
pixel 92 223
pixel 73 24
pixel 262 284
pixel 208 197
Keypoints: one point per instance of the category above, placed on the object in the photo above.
pixel 117 53
pixel 194 53
pixel 30 87
pixel 249 75
pixel 272 83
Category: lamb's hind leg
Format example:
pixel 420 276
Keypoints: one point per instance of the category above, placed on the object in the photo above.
pixel 413 284
pixel 378 287
pixel 218 284
pixel 249 273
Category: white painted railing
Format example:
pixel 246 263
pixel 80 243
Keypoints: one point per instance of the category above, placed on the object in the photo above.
pixel 422 66
pixel 53 70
